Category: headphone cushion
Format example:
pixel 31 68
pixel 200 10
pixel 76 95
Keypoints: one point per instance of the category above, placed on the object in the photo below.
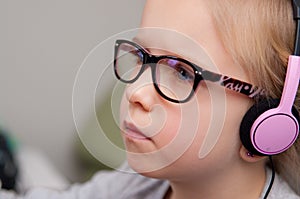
pixel 252 114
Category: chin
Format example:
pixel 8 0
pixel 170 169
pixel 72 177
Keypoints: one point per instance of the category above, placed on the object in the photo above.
pixel 148 168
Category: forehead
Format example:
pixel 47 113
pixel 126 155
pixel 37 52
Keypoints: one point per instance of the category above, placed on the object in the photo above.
pixel 191 18
pixel 175 14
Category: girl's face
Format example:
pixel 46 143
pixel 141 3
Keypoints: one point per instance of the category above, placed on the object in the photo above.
pixel 196 138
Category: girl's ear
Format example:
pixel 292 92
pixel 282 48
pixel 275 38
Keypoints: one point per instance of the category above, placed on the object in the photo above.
pixel 249 157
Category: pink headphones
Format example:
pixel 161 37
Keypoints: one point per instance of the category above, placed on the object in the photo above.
pixel 271 126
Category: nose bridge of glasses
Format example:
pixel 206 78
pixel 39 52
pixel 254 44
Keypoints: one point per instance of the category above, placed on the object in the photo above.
pixel 149 62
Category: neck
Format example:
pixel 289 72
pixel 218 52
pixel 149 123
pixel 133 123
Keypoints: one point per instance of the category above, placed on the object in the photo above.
pixel 224 184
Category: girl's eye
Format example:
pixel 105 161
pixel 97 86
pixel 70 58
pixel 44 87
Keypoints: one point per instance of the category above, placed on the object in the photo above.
pixel 183 74
pixel 183 71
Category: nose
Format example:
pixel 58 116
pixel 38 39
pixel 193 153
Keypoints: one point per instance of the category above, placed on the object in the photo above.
pixel 142 93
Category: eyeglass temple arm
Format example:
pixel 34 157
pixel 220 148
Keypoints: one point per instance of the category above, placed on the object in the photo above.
pixel 296 11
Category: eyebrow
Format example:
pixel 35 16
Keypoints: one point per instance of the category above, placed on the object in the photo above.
pixel 137 40
pixel 143 43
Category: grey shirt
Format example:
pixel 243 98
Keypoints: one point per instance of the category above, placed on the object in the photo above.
pixel 128 185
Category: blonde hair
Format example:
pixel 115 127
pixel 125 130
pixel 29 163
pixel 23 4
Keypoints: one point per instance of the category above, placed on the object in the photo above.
pixel 260 37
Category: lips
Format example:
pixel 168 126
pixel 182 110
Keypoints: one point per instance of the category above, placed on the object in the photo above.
pixel 131 131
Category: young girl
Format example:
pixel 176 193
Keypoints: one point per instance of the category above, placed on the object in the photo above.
pixel 170 102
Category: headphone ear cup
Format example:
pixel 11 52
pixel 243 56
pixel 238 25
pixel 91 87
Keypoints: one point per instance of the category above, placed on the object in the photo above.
pixel 249 118
pixel 252 114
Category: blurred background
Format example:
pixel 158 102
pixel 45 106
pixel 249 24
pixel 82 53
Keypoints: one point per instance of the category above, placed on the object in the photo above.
pixel 42 45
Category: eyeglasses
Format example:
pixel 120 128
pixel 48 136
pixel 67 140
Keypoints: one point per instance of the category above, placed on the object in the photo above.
pixel 174 78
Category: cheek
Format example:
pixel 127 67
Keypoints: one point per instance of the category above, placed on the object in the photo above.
pixel 234 116
pixel 169 129
pixel 179 141
pixel 223 132
pixel 185 125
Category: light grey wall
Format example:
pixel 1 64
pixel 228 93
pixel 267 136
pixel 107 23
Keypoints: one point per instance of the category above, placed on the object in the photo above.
pixel 42 44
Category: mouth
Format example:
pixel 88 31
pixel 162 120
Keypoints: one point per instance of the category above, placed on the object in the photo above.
pixel 132 132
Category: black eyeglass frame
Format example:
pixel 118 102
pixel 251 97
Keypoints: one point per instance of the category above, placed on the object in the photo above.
pixel 149 60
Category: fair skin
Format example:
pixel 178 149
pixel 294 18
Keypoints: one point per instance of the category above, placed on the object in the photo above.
pixel 225 172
